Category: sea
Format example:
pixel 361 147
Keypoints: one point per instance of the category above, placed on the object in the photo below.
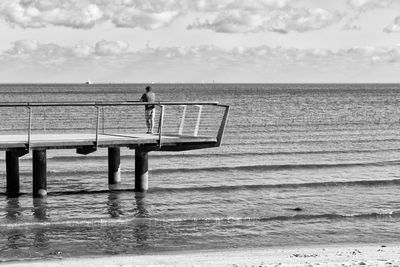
pixel 299 165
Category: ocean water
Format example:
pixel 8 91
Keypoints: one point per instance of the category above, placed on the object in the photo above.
pixel 300 164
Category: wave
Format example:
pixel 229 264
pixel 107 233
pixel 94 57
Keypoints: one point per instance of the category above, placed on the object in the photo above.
pixel 221 188
pixel 296 217
pixel 317 125
pixel 366 183
pixel 276 167
pixel 246 168
pixel 78 158
pixel 138 221
pixel 311 141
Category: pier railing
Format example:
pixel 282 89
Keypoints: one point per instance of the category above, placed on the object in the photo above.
pixel 193 119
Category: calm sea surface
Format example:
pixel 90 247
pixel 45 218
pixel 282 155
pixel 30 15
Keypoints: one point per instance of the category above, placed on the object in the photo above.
pixel 331 151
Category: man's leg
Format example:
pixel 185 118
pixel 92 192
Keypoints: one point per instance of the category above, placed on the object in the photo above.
pixel 148 125
pixel 152 115
pixel 147 117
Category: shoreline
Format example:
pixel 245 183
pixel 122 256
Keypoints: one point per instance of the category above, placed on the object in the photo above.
pixel 315 255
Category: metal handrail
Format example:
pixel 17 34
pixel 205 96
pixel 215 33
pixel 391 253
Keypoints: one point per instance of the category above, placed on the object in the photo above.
pixel 102 103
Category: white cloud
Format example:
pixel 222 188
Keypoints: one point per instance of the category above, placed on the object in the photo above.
pixel 228 15
pixel 370 4
pixel 103 49
pixel 359 7
pixel 86 14
pixel 394 27
pixel 255 5
pixel 111 61
pixel 40 13
pixel 23 47
pixel 281 20
pixel 82 50
pixel 108 48
pixel 131 18
pixel 49 53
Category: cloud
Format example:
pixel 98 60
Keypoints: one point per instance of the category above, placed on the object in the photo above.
pixel 111 61
pixel 41 13
pixel 358 7
pixel 108 48
pixel 394 27
pixel 365 5
pixel 131 18
pixel 85 14
pixel 218 5
pixel 280 20
pixel 44 52
pixel 231 16
pixel 50 53
pixel 373 55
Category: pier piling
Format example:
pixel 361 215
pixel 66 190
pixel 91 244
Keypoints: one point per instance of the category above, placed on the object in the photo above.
pixel 39 173
pixel 114 169
pixel 12 173
pixel 141 170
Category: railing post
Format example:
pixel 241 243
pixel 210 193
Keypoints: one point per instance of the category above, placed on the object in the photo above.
pixel 222 126
pixel 182 120
pixel 160 125
pixel 29 127
pixel 44 119
pixel 102 119
pixel 97 126
pixel 196 128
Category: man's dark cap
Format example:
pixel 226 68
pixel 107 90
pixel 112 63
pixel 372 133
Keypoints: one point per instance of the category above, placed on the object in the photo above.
pixel 148 88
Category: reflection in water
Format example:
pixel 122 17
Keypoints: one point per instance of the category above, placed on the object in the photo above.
pixel 40 209
pixel 114 206
pixel 113 236
pixel 123 238
pixel 142 228
pixel 140 210
pixel 15 237
pixel 13 209
pixel 40 213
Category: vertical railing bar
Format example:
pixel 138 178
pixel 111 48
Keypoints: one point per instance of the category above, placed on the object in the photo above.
pixel 182 120
pixel 160 125
pixel 29 127
pixel 102 118
pixel 196 129
pixel 44 119
pixel 97 125
pixel 222 126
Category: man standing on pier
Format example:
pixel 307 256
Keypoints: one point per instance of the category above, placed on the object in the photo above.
pixel 149 114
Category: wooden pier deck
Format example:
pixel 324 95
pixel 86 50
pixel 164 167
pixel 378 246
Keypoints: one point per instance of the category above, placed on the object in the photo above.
pixel 89 126
pixel 82 140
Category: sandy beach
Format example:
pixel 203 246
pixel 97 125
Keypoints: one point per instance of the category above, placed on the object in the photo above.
pixel 338 255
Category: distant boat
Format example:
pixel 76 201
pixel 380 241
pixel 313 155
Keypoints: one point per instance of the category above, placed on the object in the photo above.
pixel 88 82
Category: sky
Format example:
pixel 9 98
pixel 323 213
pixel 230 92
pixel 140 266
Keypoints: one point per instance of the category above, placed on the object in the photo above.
pixel 195 41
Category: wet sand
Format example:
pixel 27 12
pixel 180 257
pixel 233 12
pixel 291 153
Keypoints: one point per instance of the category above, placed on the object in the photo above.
pixel 338 255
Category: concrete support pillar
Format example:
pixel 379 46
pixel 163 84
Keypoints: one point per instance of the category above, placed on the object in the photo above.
pixel 114 161
pixel 39 173
pixel 12 173
pixel 141 170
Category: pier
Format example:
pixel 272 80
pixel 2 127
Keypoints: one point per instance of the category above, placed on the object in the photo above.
pixel 89 126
